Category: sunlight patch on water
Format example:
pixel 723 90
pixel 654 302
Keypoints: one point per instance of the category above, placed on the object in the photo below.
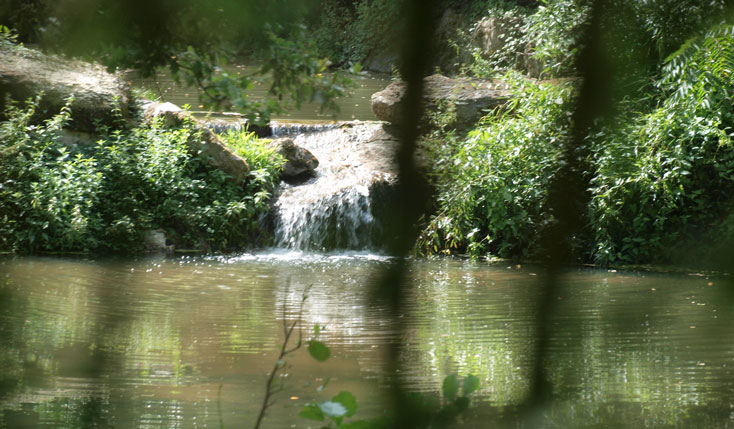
pixel 279 255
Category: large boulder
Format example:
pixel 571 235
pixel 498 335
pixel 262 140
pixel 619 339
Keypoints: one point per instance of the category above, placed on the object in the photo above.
pixel 202 142
pixel 97 94
pixel 470 99
pixel 300 163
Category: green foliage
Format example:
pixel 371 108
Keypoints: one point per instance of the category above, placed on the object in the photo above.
pixel 8 37
pixel 341 406
pixel 105 196
pixel 662 171
pixel 265 163
pixel 294 69
pixel 552 32
pixel 333 33
pixel 318 350
pixel 470 385
pixel 541 41
pixel 378 26
pixel 193 40
pixel 668 174
pixel 26 16
pixel 668 23
pixel 352 32
pixel 637 35
pixel 429 413
pixel 493 184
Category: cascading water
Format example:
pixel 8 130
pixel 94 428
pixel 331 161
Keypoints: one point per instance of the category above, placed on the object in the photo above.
pixel 335 209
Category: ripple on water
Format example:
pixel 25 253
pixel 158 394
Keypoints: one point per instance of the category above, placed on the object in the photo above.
pixel 154 339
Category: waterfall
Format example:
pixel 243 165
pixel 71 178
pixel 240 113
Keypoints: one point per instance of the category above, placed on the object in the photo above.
pixel 342 206
pixel 275 129
pixel 337 208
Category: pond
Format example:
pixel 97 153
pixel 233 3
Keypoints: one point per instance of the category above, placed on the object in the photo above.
pixel 356 105
pixel 188 341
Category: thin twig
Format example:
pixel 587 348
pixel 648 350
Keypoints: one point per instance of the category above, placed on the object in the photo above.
pixel 219 407
pixel 284 351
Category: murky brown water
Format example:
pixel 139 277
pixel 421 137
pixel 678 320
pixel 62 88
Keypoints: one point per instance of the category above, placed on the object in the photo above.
pixel 188 342
pixel 355 105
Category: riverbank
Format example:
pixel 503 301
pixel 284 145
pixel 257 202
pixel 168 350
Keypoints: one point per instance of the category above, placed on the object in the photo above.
pixel 657 171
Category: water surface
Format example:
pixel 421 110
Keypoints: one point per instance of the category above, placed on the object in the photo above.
pixel 355 105
pixel 188 342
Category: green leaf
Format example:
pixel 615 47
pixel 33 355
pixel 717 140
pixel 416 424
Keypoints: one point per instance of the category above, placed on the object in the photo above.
pixel 312 412
pixel 450 386
pixel 349 402
pixel 319 350
pixel 316 329
pixel 470 385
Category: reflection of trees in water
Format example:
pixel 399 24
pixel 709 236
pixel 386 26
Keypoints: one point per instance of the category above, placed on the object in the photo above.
pixel 104 335
pixel 622 345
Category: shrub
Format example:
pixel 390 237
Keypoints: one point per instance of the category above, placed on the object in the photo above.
pixel 104 196
pixel 265 163
pixel 493 184
pixel 669 173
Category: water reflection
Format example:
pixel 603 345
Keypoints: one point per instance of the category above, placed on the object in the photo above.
pixel 188 342
pixel 354 105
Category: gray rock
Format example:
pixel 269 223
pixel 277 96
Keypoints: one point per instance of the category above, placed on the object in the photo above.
pixel 155 241
pixel 382 62
pixel 300 163
pixel 24 73
pixel 202 142
pixel 470 98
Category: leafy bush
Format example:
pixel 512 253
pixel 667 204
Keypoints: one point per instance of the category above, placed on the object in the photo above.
pixel 8 38
pixel 352 32
pixel 538 41
pixel 552 33
pixel 333 32
pixel 668 23
pixel 265 163
pixel 105 196
pixel 668 174
pixel 378 26
pixel 662 171
pixel 493 184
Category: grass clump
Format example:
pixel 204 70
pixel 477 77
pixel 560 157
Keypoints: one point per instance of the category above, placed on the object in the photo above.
pixel 265 162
